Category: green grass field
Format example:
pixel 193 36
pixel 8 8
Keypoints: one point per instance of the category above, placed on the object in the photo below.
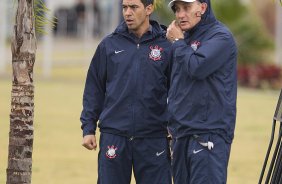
pixel 59 158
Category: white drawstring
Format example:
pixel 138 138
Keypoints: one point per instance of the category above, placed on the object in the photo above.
pixel 208 144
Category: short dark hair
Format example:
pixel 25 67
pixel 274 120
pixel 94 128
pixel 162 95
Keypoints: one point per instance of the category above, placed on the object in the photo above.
pixel 147 2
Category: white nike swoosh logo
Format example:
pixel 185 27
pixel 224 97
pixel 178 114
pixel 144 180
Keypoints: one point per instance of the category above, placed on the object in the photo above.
pixel 195 152
pixel 118 51
pixel 159 154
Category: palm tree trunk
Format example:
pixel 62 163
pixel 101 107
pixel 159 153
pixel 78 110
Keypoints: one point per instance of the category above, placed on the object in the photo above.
pixel 22 99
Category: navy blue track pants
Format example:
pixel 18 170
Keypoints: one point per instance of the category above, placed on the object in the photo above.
pixel 148 158
pixel 200 160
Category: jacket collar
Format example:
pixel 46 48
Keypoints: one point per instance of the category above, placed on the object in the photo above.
pixel 206 21
pixel 154 31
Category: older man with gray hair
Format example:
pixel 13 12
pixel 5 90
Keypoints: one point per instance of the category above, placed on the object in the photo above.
pixel 202 95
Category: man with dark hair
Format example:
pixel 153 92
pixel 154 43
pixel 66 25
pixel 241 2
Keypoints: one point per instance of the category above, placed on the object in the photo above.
pixel 202 95
pixel 126 90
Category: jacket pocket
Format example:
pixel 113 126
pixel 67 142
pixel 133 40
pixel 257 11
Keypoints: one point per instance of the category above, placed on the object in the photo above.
pixel 199 108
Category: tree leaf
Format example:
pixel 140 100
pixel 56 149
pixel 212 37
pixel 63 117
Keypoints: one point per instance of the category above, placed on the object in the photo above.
pixel 43 17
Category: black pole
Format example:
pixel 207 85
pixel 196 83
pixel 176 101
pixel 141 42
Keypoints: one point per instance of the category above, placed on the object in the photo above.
pixel 277 169
pixel 268 151
pixel 274 158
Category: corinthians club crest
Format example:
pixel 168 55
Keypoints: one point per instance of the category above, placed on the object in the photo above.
pixel 111 153
pixel 156 53
pixel 195 45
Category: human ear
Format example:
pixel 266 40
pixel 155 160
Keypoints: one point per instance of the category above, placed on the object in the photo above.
pixel 204 7
pixel 149 9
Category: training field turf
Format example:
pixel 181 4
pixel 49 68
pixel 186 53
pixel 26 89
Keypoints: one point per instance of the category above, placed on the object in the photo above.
pixel 59 158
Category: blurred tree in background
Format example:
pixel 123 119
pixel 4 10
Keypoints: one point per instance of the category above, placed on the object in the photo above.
pixel 254 43
pixel 163 14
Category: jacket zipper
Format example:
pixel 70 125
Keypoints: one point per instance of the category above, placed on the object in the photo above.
pixel 136 93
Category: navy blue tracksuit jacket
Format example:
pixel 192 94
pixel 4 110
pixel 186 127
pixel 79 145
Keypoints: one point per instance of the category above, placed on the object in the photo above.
pixel 127 85
pixel 202 96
